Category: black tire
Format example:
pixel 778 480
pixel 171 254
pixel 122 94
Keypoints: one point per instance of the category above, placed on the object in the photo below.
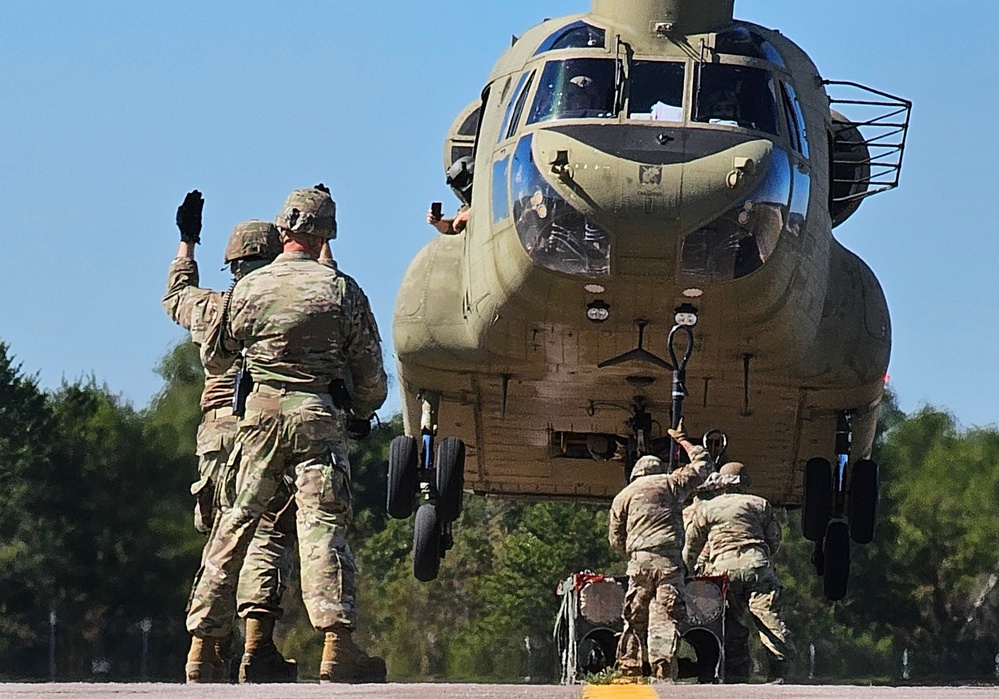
pixel 837 550
pixel 863 504
pixel 817 502
pixel 450 478
pixel 402 473
pixel 427 543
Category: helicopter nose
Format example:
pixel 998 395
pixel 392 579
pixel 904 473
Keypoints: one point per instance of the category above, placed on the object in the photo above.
pixel 647 187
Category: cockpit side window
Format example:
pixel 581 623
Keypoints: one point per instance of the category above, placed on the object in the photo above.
pixel 737 96
pixel 576 88
pixel 795 119
pixel 518 108
pixel 656 91
pixel 578 35
pixel 518 95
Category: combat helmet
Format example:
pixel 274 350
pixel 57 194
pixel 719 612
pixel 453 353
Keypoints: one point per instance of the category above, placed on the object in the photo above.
pixel 736 471
pixel 253 239
pixel 308 212
pixel 460 176
pixel 648 465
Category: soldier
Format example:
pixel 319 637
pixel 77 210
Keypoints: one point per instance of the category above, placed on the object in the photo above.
pixel 740 536
pixel 646 523
pixel 304 327
pixel 459 179
pixel 265 573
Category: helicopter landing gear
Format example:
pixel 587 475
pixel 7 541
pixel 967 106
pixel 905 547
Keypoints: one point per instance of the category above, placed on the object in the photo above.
pixel 413 470
pixel 837 509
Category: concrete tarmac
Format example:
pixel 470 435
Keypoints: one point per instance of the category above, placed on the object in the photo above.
pixel 479 691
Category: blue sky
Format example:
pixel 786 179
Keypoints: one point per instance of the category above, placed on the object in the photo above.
pixel 111 111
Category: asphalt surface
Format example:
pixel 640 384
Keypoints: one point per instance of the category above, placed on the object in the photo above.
pixel 478 691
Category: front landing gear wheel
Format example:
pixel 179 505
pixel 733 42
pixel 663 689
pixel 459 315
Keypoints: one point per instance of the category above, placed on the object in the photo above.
pixel 402 474
pixel 837 560
pixel 450 478
pixel 427 543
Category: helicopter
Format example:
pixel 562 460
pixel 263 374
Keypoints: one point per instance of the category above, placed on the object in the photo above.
pixel 652 190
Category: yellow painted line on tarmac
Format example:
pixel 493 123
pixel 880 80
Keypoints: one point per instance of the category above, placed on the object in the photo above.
pixel 619 691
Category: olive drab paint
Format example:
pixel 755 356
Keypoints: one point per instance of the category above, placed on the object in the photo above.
pixel 690 179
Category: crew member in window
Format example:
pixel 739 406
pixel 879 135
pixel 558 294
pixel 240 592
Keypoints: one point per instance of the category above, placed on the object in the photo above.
pixel 459 179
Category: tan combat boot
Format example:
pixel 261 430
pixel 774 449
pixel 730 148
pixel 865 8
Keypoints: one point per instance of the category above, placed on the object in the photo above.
pixel 206 661
pixel 665 671
pixel 262 661
pixel 343 661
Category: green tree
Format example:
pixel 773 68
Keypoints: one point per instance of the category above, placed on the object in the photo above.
pixel 120 493
pixel 27 532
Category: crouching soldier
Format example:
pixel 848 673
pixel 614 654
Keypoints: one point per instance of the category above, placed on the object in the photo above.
pixel 739 535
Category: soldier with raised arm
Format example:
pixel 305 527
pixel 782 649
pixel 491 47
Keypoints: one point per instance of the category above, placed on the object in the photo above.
pixel 738 535
pixel 646 524
pixel 264 575
pixel 304 327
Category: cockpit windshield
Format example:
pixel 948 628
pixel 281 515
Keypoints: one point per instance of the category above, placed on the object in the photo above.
pixel 576 88
pixel 656 91
pixel 736 96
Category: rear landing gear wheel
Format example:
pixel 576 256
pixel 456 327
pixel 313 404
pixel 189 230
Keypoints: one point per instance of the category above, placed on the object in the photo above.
pixel 402 475
pixel 817 499
pixel 450 478
pixel 837 560
pixel 427 543
pixel 863 503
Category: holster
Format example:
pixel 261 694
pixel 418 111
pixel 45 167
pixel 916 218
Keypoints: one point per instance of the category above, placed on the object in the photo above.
pixel 340 394
pixel 241 389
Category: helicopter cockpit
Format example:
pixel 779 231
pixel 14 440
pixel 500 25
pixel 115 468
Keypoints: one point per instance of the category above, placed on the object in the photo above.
pixel 592 88
pixel 737 86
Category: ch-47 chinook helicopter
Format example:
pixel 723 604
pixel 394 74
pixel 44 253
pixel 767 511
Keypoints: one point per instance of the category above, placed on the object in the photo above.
pixel 651 164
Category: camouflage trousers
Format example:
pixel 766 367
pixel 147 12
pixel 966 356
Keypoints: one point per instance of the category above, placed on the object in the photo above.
pixel 753 599
pixel 284 437
pixel 653 607
pixel 266 570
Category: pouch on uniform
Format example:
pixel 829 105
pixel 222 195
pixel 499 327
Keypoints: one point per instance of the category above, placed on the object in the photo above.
pixel 203 491
pixel 225 489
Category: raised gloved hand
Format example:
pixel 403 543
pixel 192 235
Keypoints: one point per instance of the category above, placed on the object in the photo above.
pixel 358 428
pixel 678 434
pixel 189 217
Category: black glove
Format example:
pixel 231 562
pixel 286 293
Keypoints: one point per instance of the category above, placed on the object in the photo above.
pixel 322 188
pixel 189 217
pixel 358 428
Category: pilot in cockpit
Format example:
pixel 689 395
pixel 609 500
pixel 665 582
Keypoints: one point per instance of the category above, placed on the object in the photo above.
pixel 580 96
pixel 723 108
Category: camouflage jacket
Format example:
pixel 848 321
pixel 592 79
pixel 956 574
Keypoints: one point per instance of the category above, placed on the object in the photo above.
pixel 647 515
pixel 195 309
pixel 303 324
pixel 732 526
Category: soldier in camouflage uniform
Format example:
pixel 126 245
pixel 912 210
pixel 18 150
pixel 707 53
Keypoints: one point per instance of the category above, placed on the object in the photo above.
pixel 265 573
pixel 303 326
pixel 740 535
pixel 646 523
